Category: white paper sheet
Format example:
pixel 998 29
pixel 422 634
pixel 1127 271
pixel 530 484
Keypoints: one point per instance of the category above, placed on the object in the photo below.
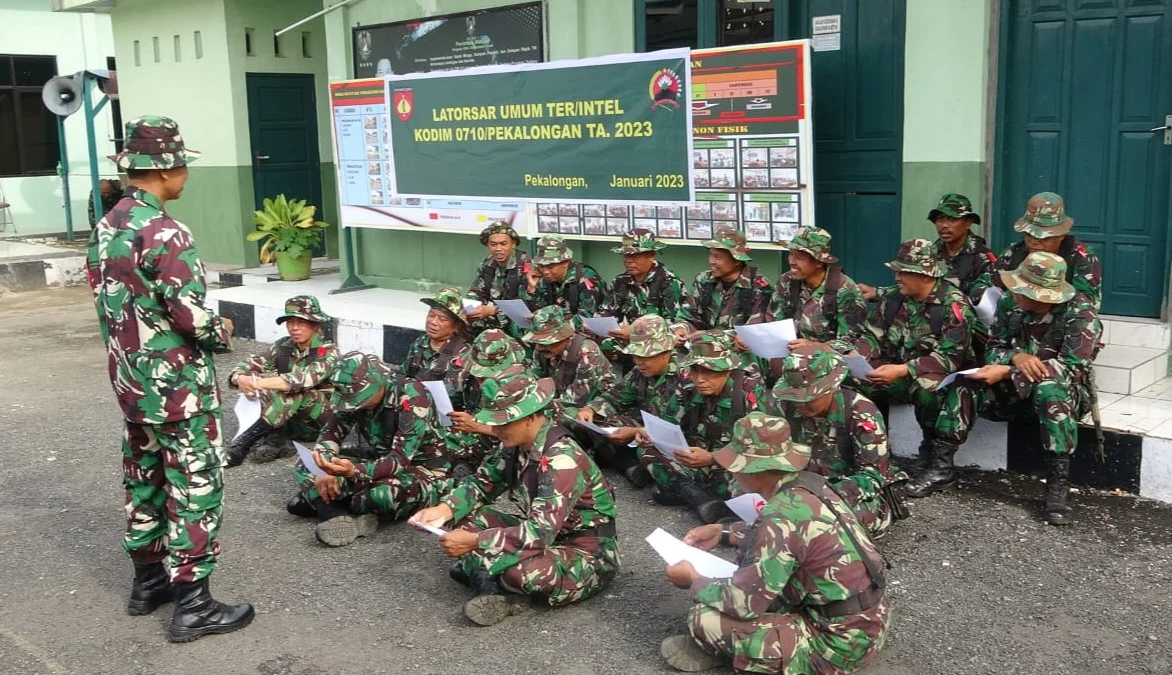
pixel 673 550
pixel 470 304
pixel 952 378
pixel 987 308
pixel 439 395
pixel 604 431
pixel 601 325
pixel 307 459
pixel 248 412
pixel 768 340
pixel 424 527
pixel 859 366
pixel 746 506
pixel 517 311
pixel 665 436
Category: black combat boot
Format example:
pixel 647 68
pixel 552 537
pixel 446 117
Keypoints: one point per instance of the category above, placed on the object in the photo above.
pixel 239 448
pixel 338 526
pixel 492 603
pixel 457 574
pixel 708 508
pixel 1058 512
pixel 152 588
pixel 299 506
pixel 197 613
pixel 940 473
pixel 666 497
pixel 626 462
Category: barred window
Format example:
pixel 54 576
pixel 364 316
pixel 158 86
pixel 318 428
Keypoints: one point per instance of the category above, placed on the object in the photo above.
pixel 28 131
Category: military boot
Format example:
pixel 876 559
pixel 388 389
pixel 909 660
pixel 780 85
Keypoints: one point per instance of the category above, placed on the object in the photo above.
pixel 299 506
pixel 492 603
pixel 152 588
pixel 708 508
pixel 1058 512
pixel 198 614
pixel 337 526
pixel 666 497
pixel 682 653
pixel 239 448
pixel 626 462
pixel 940 474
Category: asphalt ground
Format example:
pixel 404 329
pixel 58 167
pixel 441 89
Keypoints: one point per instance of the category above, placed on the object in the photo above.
pixel 979 585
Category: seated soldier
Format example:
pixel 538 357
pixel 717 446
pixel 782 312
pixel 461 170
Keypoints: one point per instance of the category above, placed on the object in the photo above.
pixel 564 548
pixel 1042 344
pixel 400 465
pixel 730 292
pixel 575 362
pixel 823 301
pixel 439 353
pixel 808 596
pixel 501 276
pixel 845 433
pixel 715 393
pixel 555 280
pixel 492 351
pixel 295 396
pixel 651 386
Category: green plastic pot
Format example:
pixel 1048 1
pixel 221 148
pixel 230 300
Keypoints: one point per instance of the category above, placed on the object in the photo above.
pixel 294 269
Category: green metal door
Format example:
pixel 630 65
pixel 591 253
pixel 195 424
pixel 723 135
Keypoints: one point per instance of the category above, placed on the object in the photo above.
pixel 1083 83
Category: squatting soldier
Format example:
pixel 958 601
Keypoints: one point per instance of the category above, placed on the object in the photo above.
pixel 573 360
pixel 149 290
pixel 808 595
pixel 918 334
pixel 492 351
pixel 557 281
pixel 1042 343
pixel 440 353
pixel 501 276
pixel 299 390
pixel 845 433
pixel 400 464
pixel 564 548
pixel 717 392
pixel 730 293
pixel 823 301
pixel 1046 227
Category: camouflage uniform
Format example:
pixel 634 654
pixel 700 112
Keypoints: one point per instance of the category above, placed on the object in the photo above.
pixel 579 294
pixel 492 351
pixel 721 305
pixel 564 546
pixel 659 396
pixel 808 596
pixel 830 311
pixel 444 364
pixel 660 292
pixel 149 291
pixel 493 282
pixel 974 258
pixel 581 372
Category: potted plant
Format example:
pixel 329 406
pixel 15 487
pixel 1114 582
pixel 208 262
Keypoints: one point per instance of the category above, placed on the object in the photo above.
pixel 289 232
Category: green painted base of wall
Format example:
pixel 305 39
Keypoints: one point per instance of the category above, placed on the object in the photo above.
pixel 217 206
pixel 925 182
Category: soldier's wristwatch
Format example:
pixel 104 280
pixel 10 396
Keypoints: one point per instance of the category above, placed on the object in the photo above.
pixel 725 536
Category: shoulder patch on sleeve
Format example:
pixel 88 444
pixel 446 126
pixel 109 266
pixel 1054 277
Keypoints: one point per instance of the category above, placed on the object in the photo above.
pixel 958 311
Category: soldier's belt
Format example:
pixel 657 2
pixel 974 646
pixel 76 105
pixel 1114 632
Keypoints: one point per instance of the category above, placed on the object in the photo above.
pixel 853 605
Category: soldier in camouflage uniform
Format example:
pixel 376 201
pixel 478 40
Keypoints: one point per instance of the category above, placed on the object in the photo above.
pixel 918 334
pixel 1042 344
pixel 966 254
pixel 845 433
pixel 715 393
pixel 401 463
pixel 557 281
pixel 808 596
pixel 573 360
pixel 470 441
pixel 1046 227
pixel 564 548
pixel 149 291
pixel 823 301
pixel 501 276
pixel 440 353
pixel 730 293
pixel 299 390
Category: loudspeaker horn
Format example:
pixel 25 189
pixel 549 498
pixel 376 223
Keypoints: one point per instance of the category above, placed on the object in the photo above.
pixel 62 94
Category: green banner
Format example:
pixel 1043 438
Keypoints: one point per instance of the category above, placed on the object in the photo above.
pixel 607 129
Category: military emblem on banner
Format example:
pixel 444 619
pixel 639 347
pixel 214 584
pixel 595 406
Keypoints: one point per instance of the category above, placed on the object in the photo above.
pixel 665 89
pixel 404 102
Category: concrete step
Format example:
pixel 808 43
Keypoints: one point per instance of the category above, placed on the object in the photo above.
pixel 1121 369
pixel 255 276
pixel 1130 332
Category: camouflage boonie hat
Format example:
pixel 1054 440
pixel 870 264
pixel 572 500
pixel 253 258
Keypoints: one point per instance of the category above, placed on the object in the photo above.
pixel 513 394
pixel 1042 277
pixel 649 336
pixel 731 240
pixel 954 206
pixel 153 142
pixel 550 326
pixel 918 256
pixel 358 379
pixel 303 307
pixel 1045 216
pixel 814 241
pixel 639 240
pixel 493 351
pixel 451 301
pixel 762 443
pixel 809 373
pixel 499 227
pixel 712 349
pixel 552 250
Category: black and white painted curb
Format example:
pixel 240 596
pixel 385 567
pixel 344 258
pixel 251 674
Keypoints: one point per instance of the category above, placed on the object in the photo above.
pixel 18 276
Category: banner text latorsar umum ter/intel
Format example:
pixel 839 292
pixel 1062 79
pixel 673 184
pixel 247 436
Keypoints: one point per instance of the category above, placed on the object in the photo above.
pixel 534 132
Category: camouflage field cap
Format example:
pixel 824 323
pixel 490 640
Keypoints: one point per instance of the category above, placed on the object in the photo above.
pixel 813 241
pixel 552 250
pixel 918 256
pixel 303 307
pixel 153 142
pixel 360 379
pixel 732 240
pixel 1045 216
pixel 499 227
pixel 639 240
pixel 954 206
pixel 762 443
pixel 493 351
pixel 809 373
pixel 550 326
pixel 451 301
pixel 713 350
pixel 649 336
pixel 1042 277
pixel 514 394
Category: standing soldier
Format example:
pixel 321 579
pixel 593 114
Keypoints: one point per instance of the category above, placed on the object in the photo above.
pixel 299 392
pixel 573 360
pixel 730 293
pixel 558 281
pixel 501 276
pixel 564 549
pixel 440 353
pixel 1041 348
pixel 808 594
pixel 823 301
pixel 149 290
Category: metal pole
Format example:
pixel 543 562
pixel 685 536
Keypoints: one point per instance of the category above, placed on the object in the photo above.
pixel 352 281
pixel 96 194
pixel 64 160
pixel 311 17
